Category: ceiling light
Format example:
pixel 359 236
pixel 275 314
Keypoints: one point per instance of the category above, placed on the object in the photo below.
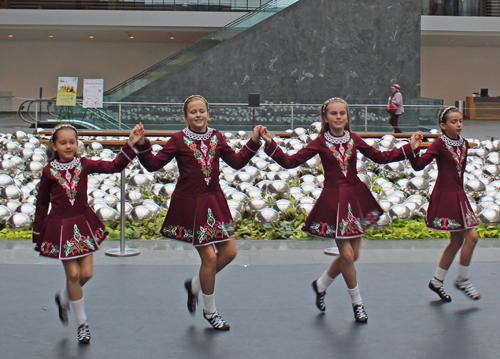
pixel 91 37
pixel 51 36
pixel 171 37
pixel 130 37
pixel 10 35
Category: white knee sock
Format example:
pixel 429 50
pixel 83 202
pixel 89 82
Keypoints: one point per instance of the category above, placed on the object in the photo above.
pixel 195 285
pixel 355 296
pixel 209 303
pixel 79 309
pixel 463 272
pixel 439 276
pixel 324 281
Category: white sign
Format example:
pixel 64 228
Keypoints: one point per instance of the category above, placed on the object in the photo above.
pixel 93 93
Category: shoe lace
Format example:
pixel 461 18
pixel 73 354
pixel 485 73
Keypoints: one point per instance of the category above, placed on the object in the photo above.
pixel 360 312
pixel 469 289
pixel 217 321
pixel 83 331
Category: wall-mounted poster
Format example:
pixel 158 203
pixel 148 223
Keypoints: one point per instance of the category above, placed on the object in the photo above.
pixel 93 93
pixel 66 91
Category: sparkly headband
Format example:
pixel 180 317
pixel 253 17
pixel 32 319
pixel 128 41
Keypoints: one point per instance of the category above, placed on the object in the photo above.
pixel 327 102
pixel 61 126
pixel 191 97
pixel 445 111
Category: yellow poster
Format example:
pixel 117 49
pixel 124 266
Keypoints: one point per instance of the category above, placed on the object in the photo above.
pixel 66 91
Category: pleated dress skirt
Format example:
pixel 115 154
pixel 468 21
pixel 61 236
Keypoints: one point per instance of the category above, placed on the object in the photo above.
pixel 198 220
pixel 450 211
pixel 72 237
pixel 343 213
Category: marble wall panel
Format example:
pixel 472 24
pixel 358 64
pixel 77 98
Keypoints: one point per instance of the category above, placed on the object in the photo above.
pixel 315 49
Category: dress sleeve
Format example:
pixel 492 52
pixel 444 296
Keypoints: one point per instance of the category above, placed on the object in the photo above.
pixel 238 159
pixel 154 163
pixel 42 206
pixel 397 154
pixel 295 160
pixel 121 161
pixel 419 162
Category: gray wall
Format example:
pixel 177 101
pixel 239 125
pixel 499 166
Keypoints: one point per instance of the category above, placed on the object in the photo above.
pixel 314 49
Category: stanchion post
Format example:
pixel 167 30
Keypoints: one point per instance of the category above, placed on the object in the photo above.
pixel 122 251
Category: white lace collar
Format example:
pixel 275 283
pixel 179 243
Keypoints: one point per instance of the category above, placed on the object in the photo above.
pixel 198 136
pixel 451 142
pixel 338 140
pixel 65 166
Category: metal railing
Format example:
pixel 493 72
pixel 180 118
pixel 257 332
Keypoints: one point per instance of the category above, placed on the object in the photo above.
pixel 365 117
pixel 139 5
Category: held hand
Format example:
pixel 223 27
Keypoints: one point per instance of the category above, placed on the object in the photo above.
pixel 416 140
pixel 266 135
pixel 136 135
pixel 256 134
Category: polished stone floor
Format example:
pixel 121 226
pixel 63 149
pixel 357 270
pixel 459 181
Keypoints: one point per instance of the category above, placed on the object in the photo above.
pixel 136 305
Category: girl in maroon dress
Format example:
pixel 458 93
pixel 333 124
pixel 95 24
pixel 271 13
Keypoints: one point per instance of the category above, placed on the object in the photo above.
pixel 71 231
pixel 449 209
pixel 346 207
pixel 198 212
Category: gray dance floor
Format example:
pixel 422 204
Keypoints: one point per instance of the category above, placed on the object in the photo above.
pixel 139 311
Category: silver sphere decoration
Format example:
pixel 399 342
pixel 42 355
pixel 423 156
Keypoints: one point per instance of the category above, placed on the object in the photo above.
pixel 134 196
pixel 399 210
pixel 232 203
pixel 383 221
pixel 9 167
pixel 278 186
pixel 267 215
pixel 140 181
pixel 28 209
pixel 19 220
pixel 490 216
pixel 94 148
pixel 282 205
pixel 108 214
pixel 256 204
pixel 306 207
pixel 5 180
pixel 240 197
pixel 5 213
pixel 11 192
pixel 20 135
pixel 35 169
pixel 474 185
pixel 315 127
pixel 235 214
pixel 418 183
pixel 153 207
pixel 140 212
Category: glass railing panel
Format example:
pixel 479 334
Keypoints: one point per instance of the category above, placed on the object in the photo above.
pixel 455 8
pixel 233 114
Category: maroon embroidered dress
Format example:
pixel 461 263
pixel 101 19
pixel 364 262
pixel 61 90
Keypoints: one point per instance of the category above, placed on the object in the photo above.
pixel 198 211
pixel 449 208
pixel 71 229
pixel 346 207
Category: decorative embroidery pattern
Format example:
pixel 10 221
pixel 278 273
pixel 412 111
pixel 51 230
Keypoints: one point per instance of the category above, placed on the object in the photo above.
pixel 78 244
pixel 352 226
pixel 342 155
pixel 204 156
pixel 470 218
pixel 458 154
pixel 49 249
pixel 445 223
pixel 371 218
pixel 197 136
pixel 323 229
pixel 69 184
pixel 338 140
pixel 212 229
pixel 178 232
pixel 65 166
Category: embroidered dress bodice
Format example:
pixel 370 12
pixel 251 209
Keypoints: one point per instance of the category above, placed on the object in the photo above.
pixel 67 181
pixel 204 155
pixel 457 149
pixel 343 154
